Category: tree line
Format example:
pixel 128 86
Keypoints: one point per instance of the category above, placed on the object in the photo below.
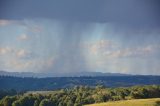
pixel 81 95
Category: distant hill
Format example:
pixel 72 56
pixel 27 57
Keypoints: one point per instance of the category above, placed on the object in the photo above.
pixel 57 74
pixel 51 83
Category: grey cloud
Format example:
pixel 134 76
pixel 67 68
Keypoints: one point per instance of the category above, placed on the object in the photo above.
pixel 130 13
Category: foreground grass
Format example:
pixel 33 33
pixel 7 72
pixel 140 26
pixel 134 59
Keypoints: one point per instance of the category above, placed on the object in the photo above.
pixel 135 102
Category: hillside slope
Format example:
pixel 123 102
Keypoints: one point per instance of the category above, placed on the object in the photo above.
pixel 135 102
pixel 27 83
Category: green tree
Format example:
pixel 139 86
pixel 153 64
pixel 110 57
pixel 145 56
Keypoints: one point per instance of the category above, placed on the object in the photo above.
pixel 47 102
pixel 36 103
pixel 16 103
pixel 7 101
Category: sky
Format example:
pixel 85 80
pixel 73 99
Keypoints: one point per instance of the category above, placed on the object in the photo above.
pixel 115 36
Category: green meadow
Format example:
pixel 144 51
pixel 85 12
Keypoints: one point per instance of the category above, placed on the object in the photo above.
pixel 135 102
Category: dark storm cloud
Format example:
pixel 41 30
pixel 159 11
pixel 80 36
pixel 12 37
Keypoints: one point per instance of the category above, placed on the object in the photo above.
pixel 134 13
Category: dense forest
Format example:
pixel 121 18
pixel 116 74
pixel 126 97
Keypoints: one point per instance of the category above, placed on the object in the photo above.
pixel 81 95
pixel 53 83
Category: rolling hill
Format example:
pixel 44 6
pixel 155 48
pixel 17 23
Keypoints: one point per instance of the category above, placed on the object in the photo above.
pixel 58 74
pixel 136 102
pixel 51 83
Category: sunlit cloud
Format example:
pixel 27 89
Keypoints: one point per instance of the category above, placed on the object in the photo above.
pixel 22 53
pixel 18 65
pixel 131 52
pixel 5 50
pixel 23 37
pixel 5 22
pixel 110 56
pixel 15 52
pixel 30 65
pixel 110 49
pixel 36 29
pixel 102 46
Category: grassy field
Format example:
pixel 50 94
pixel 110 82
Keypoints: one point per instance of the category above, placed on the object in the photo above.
pixel 135 102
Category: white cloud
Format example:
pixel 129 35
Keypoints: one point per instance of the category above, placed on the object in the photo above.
pixel 101 46
pixel 131 52
pixel 110 49
pixel 17 65
pixel 107 55
pixel 30 65
pixel 5 22
pixel 22 60
pixel 23 37
pixel 36 29
pixel 5 50
pixel 18 53
pixel 22 53
pixel 11 50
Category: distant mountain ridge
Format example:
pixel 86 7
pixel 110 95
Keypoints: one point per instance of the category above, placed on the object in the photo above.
pixel 52 83
pixel 57 74
pixel 22 81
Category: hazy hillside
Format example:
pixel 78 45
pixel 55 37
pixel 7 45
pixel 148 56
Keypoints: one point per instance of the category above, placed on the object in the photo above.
pixel 58 74
pixel 29 83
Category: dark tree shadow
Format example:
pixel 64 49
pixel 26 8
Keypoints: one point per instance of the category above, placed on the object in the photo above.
pixel 157 103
